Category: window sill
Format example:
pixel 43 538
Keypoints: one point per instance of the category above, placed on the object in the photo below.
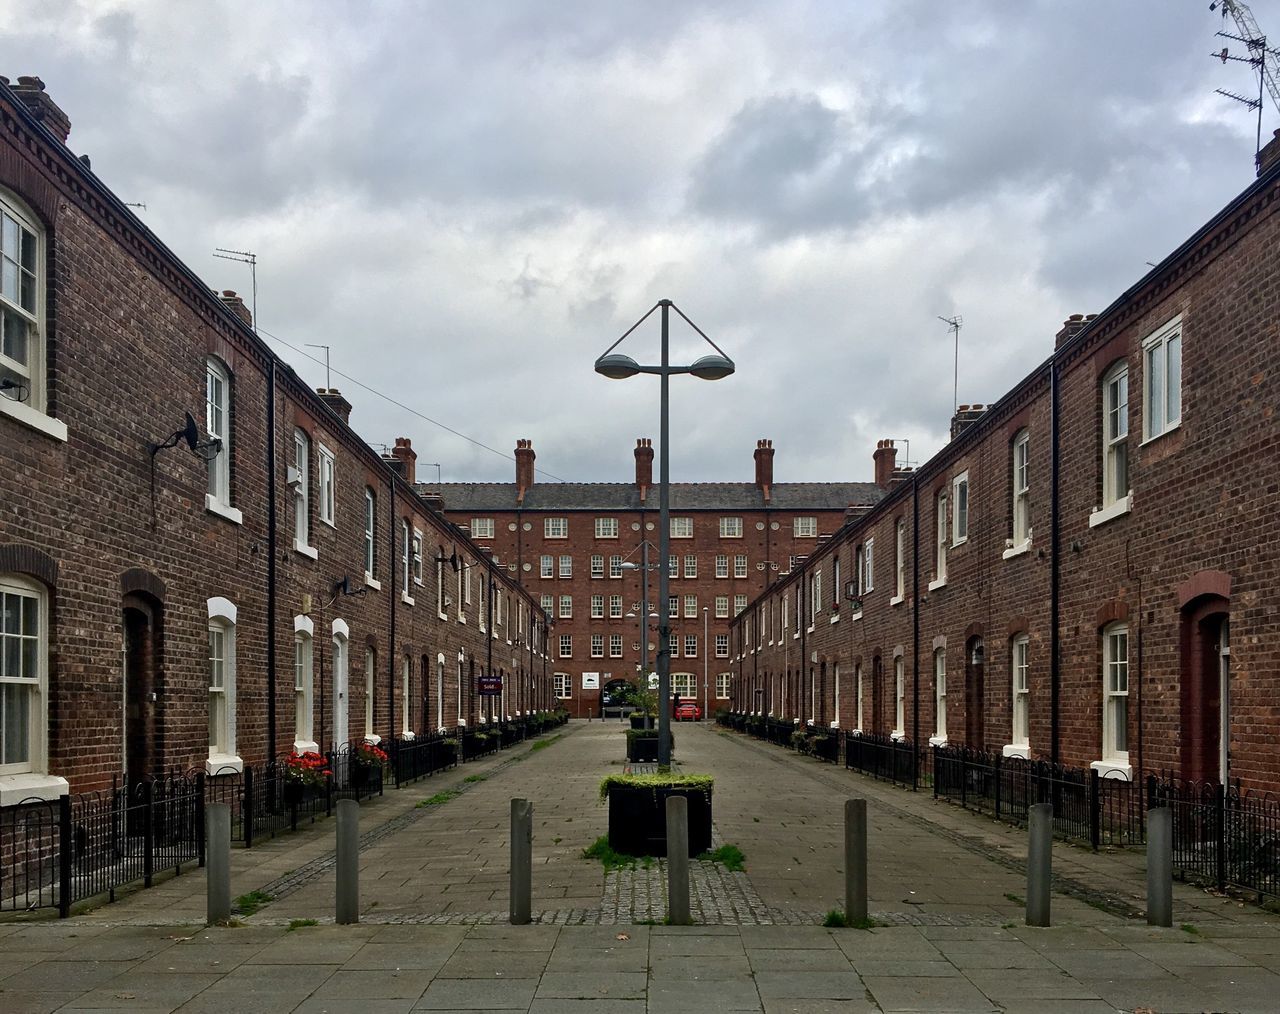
pixel 1173 427
pixel 1014 750
pixel 220 764
pixel 897 600
pixel 407 736
pixel 305 746
pixel 372 583
pixel 406 598
pixel 330 522
pixel 897 736
pixel 1119 770
pixel 937 740
pixel 1018 550
pixel 959 542
pixel 16 789
pixel 33 419
pixel 835 725
pixel 939 583
pixel 856 616
pixel 308 551
pixel 836 618
pixel 217 507
pixel 372 737
pixel 1115 510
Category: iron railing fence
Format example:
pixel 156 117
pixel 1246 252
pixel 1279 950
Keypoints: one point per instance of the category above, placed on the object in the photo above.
pixel 882 757
pixel 412 759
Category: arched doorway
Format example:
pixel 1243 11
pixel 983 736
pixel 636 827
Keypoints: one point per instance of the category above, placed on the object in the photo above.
pixel 974 679
pixel 615 693
pixel 1206 690
pixel 142 626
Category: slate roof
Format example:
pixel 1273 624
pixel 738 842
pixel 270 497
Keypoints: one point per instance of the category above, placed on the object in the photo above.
pixel 624 496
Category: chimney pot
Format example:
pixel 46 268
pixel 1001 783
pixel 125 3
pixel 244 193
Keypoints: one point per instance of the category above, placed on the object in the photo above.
pixel 336 402
pixel 884 457
pixel 236 305
pixel 524 467
pixel 1070 328
pixel 764 466
pixel 406 458
pixel 31 91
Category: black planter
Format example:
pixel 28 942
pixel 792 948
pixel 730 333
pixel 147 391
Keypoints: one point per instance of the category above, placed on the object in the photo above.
pixel 638 820
pixel 642 748
pixel 637 721
pixel 293 793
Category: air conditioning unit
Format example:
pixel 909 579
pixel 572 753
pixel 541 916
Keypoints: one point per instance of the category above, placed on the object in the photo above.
pixel 293 477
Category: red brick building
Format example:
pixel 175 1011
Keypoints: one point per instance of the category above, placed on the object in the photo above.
pixel 1086 572
pixel 580 551
pixel 178 594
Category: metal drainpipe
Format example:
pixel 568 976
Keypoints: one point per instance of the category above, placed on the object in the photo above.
pixel 391 594
pixel 488 636
pixel 915 632
pixel 271 561
pixel 1055 665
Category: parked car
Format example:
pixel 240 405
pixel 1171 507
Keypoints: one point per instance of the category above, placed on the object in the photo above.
pixel 688 709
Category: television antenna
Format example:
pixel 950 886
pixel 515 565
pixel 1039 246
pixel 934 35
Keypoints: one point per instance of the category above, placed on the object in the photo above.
pixel 327 382
pixel 1264 60
pixel 244 257
pixel 953 325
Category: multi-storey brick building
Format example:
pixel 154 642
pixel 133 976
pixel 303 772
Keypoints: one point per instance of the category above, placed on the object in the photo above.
pixel 581 550
pixel 1086 572
pixel 211 591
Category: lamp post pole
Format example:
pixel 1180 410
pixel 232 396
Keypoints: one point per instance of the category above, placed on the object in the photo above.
pixel 706 660
pixel 664 550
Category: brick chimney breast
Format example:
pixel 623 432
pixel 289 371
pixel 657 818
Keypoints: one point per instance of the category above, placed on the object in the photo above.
pixel 764 465
pixel 1270 154
pixel 236 305
pixel 1070 328
pixel 31 91
pixel 644 466
pixel 340 406
pixel 524 468
pixel 885 458
pixel 404 453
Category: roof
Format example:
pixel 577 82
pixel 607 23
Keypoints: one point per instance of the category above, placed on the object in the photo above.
pixel 624 496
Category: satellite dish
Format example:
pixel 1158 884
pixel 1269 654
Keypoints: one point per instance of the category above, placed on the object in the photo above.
pixel 190 433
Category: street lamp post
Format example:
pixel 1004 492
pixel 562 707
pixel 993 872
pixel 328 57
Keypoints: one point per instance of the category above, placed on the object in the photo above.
pixel 706 659
pixel 616 366
pixel 644 567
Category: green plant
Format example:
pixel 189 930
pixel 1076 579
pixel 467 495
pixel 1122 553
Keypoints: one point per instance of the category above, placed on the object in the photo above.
pixel 728 856
pixel 300 923
pixel 369 755
pixel 1188 928
pixel 864 924
pixel 310 769
pixel 475 778
pixel 542 744
pixel 249 903
pixel 443 796
pixel 835 920
pixel 696 783
pixel 611 860
pixel 1017 899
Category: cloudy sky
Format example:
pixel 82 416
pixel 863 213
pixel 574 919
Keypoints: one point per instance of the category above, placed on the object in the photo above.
pixel 469 202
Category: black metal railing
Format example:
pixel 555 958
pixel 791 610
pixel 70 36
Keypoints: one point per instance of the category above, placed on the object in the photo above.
pixel 882 757
pixel 422 757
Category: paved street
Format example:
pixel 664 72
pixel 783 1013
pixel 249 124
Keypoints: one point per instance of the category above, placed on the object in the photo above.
pixel 946 891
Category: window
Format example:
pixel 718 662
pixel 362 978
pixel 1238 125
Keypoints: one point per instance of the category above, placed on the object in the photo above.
pixel 868 579
pixel 1115 435
pixel 673 606
pixel 805 528
pixel 566 607
pixel 940 564
pixel 548 603
pixel 1021 488
pixel 22 352
pixel 370 668
pixel 739 604
pixel 731 528
pixel 597 565
pixel 1020 724
pixel 218 425
pixel 563 684
pixel 327 477
pixel 482 528
pixel 566 566
pixel 441 604
pixel 416 551
pixel 722 645
pixel 690 645
pixel 940 694
pixel 722 607
pixel 835 580
pixel 682 528
pixel 555 528
pixel 24 648
pixel 615 645
pixel 615 606
pixel 606 528
pixel 222 685
pixel 691 607
pixel 722 683
pixel 673 645
pixel 406 700
pixel 740 565
pixel 683 684
pixel 566 645
pixel 857 691
pixel 859 567
pixel 615 566
pixel 1115 694
pixel 303 681
pixel 722 565
pixel 899 696
pixel 597 645
pixel 960 516
pixel 547 566
pixel 301 481
pixel 597 607
pixel 900 559
pixel 370 529
pixel 1162 380
pixel 673 566
pixel 690 565
pixel 815 595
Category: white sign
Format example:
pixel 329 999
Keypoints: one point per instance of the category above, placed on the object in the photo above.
pixel 590 681
pixel 653 681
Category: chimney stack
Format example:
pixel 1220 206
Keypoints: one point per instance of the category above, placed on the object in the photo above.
pixel 403 459
pixel 236 305
pixel 336 402
pixel 644 466
pixel 884 456
pixel 966 416
pixel 764 466
pixel 31 91
pixel 524 468
pixel 1072 326
pixel 1270 154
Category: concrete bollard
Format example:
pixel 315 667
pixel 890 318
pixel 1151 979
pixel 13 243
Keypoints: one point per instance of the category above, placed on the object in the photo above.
pixel 348 863
pixel 521 862
pixel 678 861
pixel 1160 867
pixel 1039 863
pixel 217 862
pixel 855 860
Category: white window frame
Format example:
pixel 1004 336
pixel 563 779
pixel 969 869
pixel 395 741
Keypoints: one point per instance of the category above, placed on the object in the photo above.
pixel 1115 699
pixel 482 528
pixel 940 557
pixel 606 528
pixel 722 607
pixel 555 528
pixel 417 556
pixel 899 561
pixel 1162 380
pixel 868 580
pixel 304 685
pixel 1115 443
pixel 565 610
pixel 691 565
pixel 731 528
pixel 597 565
pixel 1020 483
pixel 566 646
pixel 548 603
pixel 327 486
pixel 673 565
pixel 960 509
pixel 858 697
pixel 406 697
pixel 615 645
pixel 406 561
pixel 32 409
pixel 739 604
pixel 370 538
pixel 1020 697
pixel 939 737
pixel 370 693
pixel 302 493
pixel 804 527
pixel 562 684
pixel 740 565
pixel 615 566
pixel 684 685
pixel 722 565
pixel 566 566
pixel 691 607
pixel 690 645
pixel 681 528
pixel 900 697
pixel 597 645
pixel 597 607
pixel 218 425
pixel 546 566
pixel 722 645
pixel 222 757
pixel 723 682
pixel 33 653
pixel 615 607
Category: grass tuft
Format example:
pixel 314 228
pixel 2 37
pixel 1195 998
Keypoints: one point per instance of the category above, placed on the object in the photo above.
pixel 249 903
pixel 1017 899
pixel 295 924
pixel 441 797
pixel 542 744
pixel 610 859
pixel 1188 928
pixel 728 856
pixel 475 778
pixel 835 920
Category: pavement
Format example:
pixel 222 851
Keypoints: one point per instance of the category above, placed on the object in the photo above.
pixel 946 892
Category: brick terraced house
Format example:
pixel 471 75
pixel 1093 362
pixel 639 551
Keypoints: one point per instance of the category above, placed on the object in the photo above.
pixel 201 564
pixel 1087 572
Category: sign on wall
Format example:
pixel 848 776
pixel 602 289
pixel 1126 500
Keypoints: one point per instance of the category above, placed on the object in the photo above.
pixel 590 681
pixel 489 686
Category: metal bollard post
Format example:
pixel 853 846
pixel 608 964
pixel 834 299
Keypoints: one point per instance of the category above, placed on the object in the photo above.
pixel 348 863
pixel 678 861
pixel 217 851
pixel 1039 863
pixel 1160 867
pixel 855 860
pixel 521 862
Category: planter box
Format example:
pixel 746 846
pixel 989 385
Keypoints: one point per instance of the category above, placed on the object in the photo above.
pixel 638 820
pixel 639 721
pixel 642 748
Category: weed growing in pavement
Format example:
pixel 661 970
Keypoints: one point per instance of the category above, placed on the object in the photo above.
pixel 610 859
pixel 475 778
pixel 835 920
pixel 1017 899
pixel 443 796
pixel 1188 928
pixel 864 924
pixel 300 923
pixel 556 841
pixel 542 744
pixel 755 820
pixel 728 856
pixel 249 903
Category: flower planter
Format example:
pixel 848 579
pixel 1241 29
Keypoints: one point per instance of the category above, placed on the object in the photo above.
pixel 638 819
pixel 641 721
pixel 641 749
pixel 293 793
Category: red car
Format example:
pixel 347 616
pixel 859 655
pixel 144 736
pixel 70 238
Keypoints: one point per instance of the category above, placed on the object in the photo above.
pixel 688 709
